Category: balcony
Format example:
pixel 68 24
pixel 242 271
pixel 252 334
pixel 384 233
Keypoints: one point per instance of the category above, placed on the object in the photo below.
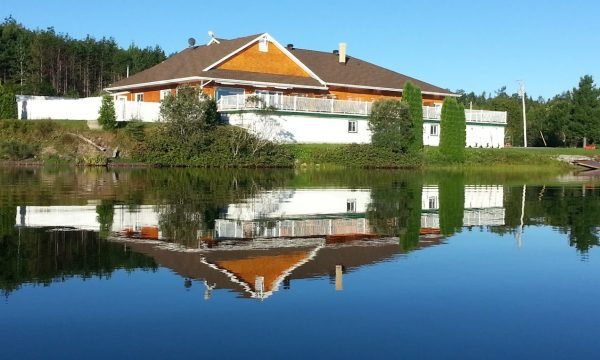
pixel 294 104
pixel 337 107
pixel 475 116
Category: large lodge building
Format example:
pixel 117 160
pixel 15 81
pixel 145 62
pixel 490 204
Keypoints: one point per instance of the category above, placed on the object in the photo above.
pixel 329 92
pixel 313 96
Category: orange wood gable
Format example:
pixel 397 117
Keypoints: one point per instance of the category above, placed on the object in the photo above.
pixel 273 61
pixel 271 267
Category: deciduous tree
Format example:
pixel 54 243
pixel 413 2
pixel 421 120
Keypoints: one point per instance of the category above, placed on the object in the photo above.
pixel 391 125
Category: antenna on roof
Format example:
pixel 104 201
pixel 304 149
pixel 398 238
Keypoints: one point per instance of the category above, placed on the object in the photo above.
pixel 213 39
pixel 191 42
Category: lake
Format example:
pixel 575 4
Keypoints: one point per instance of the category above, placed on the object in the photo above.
pixel 165 263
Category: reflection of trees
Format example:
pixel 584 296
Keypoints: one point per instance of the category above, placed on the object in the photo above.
pixel 452 203
pixel 573 210
pixel 191 200
pixel 106 213
pixel 395 208
pixel 39 256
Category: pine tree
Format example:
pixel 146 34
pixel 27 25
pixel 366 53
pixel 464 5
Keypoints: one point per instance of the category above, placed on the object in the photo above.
pixel 108 116
pixel 585 112
pixel 8 103
pixel 412 95
pixel 453 134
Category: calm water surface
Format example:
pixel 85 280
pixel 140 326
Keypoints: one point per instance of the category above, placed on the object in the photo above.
pixel 100 264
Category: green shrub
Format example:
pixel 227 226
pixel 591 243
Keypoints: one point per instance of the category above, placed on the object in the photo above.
pixel 453 130
pixel 93 160
pixel 16 150
pixel 352 155
pixel 135 130
pixel 391 125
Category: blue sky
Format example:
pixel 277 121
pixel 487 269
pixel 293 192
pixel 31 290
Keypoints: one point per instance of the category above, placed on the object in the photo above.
pixel 472 45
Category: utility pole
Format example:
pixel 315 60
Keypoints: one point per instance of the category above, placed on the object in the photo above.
pixel 522 94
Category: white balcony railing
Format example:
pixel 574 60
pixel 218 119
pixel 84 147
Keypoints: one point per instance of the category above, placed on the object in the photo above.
pixel 342 107
pixel 478 116
pixel 294 103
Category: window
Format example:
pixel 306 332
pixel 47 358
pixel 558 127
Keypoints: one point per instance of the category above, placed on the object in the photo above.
pixel 164 93
pixel 139 97
pixel 433 130
pixel 433 202
pixel 270 98
pixel 225 91
pixel 352 126
pixel 351 205
pixel 263 45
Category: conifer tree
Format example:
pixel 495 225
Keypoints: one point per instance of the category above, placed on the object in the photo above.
pixel 412 95
pixel 8 103
pixel 453 134
pixel 108 116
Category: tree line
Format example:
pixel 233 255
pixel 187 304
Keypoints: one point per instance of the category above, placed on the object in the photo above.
pixel 567 120
pixel 44 62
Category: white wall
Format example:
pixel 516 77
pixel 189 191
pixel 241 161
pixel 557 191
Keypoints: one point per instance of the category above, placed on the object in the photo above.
pixel 476 197
pixel 43 107
pixel 294 128
pixel 85 217
pixel 485 136
pixel 428 138
pixel 285 203
pixel 303 128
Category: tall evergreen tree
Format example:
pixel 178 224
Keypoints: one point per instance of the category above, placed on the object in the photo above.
pixel 8 103
pixel 107 117
pixel 585 111
pixel 412 95
pixel 453 126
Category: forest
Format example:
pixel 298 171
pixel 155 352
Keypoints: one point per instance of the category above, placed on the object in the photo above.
pixel 46 62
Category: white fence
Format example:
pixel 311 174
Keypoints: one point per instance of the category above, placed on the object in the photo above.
pixel 44 108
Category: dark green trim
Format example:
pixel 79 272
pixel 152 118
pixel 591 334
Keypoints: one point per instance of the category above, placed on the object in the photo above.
pixel 301 113
pixel 468 123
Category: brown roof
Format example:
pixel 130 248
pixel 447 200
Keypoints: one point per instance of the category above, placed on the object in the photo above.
pixel 191 62
pixel 357 72
pixel 187 63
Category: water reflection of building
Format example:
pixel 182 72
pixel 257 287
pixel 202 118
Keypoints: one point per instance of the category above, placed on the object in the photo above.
pixel 483 206
pixel 139 218
pixel 321 212
pixel 257 270
pixel 263 243
pixel 292 213
pixel 297 213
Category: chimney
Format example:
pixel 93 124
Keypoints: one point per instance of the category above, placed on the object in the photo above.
pixel 342 53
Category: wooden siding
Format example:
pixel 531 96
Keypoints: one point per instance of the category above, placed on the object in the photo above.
pixel 153 94
pixel 274 61
pixel 373 95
